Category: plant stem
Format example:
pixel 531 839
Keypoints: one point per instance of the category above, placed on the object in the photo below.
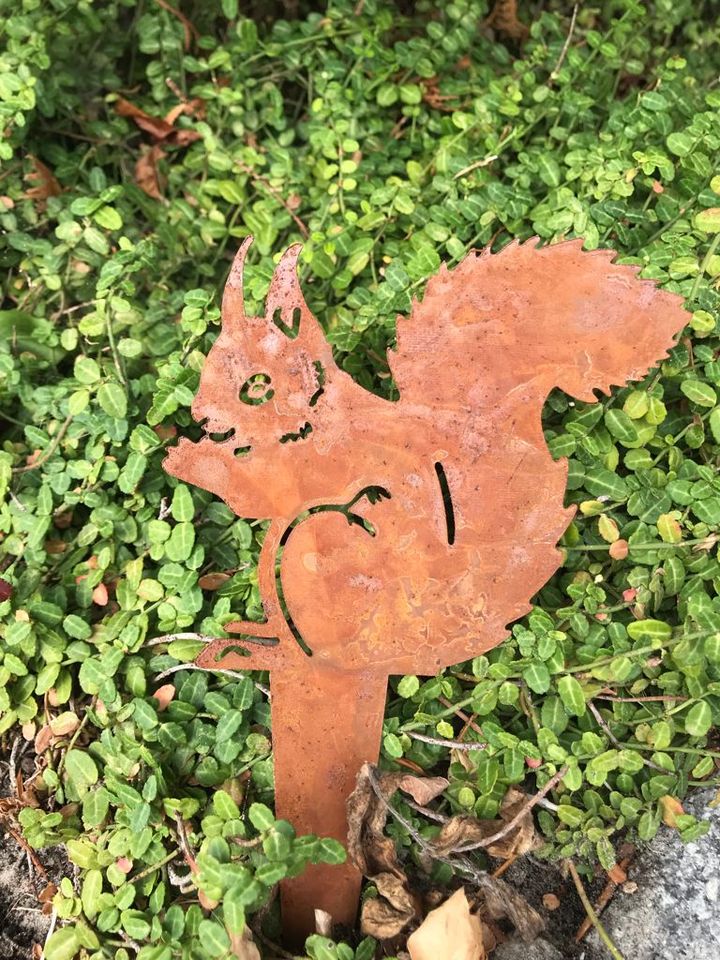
pixel 592 916
pixel 703 266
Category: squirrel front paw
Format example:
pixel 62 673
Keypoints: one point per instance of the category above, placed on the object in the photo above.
pixel 244 654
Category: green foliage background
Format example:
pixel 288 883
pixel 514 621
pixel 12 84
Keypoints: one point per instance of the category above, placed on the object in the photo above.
pixel 111 303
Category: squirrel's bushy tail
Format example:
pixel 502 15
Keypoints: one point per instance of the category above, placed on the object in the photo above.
pixel 589 321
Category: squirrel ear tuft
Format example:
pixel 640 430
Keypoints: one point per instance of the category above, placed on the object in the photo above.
pixel 233 304
pixel 285 296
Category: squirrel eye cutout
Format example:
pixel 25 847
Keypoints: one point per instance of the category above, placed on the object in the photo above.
pixel 257 390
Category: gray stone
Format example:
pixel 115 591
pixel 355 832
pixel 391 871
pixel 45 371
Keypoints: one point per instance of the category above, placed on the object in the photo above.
pixel 517 949
pixel 674 914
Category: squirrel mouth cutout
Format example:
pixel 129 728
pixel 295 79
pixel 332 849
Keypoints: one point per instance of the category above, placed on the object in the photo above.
pixel 216 436
pixel 224 437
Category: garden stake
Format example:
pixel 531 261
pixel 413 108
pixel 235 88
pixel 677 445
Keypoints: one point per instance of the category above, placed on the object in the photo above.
pixel 404 536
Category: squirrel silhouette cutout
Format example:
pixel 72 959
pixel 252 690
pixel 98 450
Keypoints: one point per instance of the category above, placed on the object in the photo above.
pixel 404 536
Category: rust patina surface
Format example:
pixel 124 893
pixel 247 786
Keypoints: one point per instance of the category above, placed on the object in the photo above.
pixel 403 536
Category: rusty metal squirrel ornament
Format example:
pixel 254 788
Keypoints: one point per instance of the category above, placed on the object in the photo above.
pixel 403 535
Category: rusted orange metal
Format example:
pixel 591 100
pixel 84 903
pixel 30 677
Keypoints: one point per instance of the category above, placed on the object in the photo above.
pixel 407 534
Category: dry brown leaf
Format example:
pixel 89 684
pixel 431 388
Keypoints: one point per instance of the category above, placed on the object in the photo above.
pixel 157 127
pixel 213 581
pixel 184 137
pixel 147 175
pixel 617 874
pixel 243 946
pixel 47 893
pixel 100 595
pixel 164 695
pixel 423 789
pixel 64 724
pixel 504 19
pixel 43 739
pixel 465 758
pixel 368 847
pixel 501 901
pixel 522 838
pixel 323 923
pixel 672 809
pixel 387 915
pixel 450 932
pixel 376 856
pixel 463 830
pixel 45 180
pixel 194 107
pixel 189 29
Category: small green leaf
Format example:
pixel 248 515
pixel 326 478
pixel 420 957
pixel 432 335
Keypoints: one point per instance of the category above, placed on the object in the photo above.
pixel 86 370
pixel 261 816
pixel 64 944
pixel 392 745
pixel 708 220
pixel 95 806
pixel 714 421
pixel 571 694
pixel 537 677
pixel 387 95
pixel 225 807
pixel 636 404
pixel 699 392
pixel 620 425
pixel 408 686
pixel 680 144
pixel 603 483
pixel 81 771
pixel 331 851
pixel 113 400
pixel 653 630
pixel 108 217
pixel 182 507
pixel 91 890
pixel 277 846
pixel 181 542
pixel 698 719
pixel 228 725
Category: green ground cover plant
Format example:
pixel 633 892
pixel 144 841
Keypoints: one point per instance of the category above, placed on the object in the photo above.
pixel 139 146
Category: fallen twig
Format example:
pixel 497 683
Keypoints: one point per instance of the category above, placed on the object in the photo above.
pixel 442 742
pixel 263 182
pixel 605 897
pixel 170 637
pixel 426 811
pixel 592 916
pixel 52 447
pixel 668 697
pixel 566 46
pixel 498 889
pixel 512 824
pixel 155 866
pixel 468 721
pixel 604 725
pixel 51 931
pixel 185 844
pixel 189 29
pixel 22 842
